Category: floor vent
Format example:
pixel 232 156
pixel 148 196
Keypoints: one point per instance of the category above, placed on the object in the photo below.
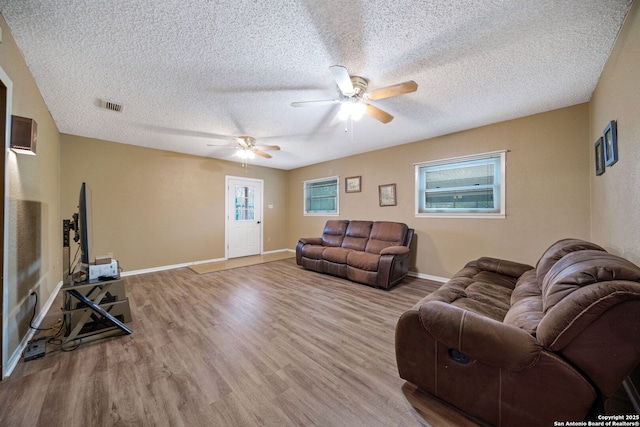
pixel 110 105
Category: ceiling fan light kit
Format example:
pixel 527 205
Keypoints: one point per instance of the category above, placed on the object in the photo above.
pixel 353 96
pixel 352 110
pixel 246 148
pixel 245 153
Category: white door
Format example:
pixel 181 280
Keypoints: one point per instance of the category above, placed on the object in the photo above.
pixel 244 217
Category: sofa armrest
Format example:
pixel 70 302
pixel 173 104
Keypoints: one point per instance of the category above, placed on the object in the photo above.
pixel 305 241
pixel 501 266
pixel 479 337
pixel 395 250
pixel 393 266
pixel 310 240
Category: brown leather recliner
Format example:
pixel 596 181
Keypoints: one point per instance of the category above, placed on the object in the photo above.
pixel 513 345
pixel 373 253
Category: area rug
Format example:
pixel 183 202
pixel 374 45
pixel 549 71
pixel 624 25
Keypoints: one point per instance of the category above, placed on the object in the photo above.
pixel 211 267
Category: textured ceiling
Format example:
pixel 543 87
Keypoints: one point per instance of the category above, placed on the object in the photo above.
pixel 193 72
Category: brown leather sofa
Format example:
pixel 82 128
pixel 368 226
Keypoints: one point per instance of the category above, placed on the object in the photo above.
pixel 373 253
pixel 515 345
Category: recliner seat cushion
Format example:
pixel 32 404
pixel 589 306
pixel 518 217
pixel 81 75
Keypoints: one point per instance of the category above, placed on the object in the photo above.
pixel 313 251
pixel 337 255
pixel 478 296
pixel 363 260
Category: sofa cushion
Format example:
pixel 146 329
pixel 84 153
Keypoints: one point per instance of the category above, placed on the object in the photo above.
pixel 357 235
pixel 385 234
pixel 503 267
pixel 363 260
pixel 474 271
pixel 496 279
pixel 313 251
pixel 581 269
pixel 338 255
pixel 333 232
pixel 482 307
pixel 559 250
pixel 526 304
pixel 470 294
pixel 579 289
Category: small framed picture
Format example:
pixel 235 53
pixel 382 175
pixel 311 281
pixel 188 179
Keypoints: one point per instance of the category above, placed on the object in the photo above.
pixel 387 194
pixel 352 184
pixel 599 156
pixel 610 144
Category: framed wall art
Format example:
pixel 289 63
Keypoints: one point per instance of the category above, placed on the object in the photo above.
pixel 352 184
pixel 610 136
pixel 387 194
pixel 599 146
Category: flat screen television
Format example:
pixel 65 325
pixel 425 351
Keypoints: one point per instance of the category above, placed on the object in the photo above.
pixel 85 224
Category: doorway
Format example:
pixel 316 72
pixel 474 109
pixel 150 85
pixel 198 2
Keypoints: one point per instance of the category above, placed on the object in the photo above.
pixel 243 225
pixel 6 90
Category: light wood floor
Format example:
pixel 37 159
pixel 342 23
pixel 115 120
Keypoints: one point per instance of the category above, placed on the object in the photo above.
pixel 210 267
pixel 270 344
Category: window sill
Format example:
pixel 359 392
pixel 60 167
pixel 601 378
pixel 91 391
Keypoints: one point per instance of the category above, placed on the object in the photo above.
pixel 321 214
pixel 462 215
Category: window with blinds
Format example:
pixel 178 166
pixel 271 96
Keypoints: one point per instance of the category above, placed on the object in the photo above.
pixel 465 186
pixel 321 196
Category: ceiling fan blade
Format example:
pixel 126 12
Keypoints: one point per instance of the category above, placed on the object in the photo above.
pixel 315 103
pixel 342 78
pixel 266 147
pixel 260 153
pixel 378 114
pixel 222 146
pixel 395 90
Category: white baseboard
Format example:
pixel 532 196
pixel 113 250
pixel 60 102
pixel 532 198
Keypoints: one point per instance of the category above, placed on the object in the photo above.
pixel 15 357
pixel 187 264
pixel 428 277
pixel 278 251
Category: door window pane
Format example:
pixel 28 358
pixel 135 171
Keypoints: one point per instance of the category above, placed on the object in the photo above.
pixel 245 209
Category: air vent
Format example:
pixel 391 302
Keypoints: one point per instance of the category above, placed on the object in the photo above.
pixel 110 105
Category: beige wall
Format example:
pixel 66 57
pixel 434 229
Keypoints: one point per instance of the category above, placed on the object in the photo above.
pixel 34 233
pixel 615 195
pixel 154 208
pixel 547 191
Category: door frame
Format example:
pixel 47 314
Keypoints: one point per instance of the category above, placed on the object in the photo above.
pixel 6 81
pixel 227 219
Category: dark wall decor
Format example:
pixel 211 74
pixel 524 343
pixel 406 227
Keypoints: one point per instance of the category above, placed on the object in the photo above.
pixel 599 156
pixel 24 134
pixel 610 136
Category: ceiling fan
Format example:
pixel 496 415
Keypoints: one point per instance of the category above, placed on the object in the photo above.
pixel 353 95
pixel 246 147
